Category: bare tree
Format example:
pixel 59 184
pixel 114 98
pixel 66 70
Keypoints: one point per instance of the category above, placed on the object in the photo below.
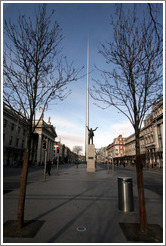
pixel 35 73
pixel 134 74
pixel 77 149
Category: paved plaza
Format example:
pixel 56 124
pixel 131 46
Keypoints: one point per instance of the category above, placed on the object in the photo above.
pixel 79 207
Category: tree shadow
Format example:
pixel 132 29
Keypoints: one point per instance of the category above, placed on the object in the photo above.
pixel 99 238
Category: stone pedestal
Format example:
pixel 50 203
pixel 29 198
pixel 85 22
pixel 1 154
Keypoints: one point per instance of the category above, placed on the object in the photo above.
pixel 91 158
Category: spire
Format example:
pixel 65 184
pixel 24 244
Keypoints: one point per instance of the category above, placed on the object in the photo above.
pixel 87 103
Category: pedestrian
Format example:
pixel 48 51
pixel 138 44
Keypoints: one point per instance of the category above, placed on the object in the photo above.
pixel 48 169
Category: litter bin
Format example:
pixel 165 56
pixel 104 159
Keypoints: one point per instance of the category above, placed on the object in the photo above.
pixel 125 194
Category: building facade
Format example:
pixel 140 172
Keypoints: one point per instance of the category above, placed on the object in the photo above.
pixel 151 141
pixel 15 140
pixel 65 154
pixel 116 150
pixel 14 137
pixel 43 131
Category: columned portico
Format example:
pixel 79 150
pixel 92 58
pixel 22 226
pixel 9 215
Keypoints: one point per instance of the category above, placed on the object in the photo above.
pixel 45 131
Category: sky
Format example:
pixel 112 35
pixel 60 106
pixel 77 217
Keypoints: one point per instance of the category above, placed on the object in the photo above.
pixel 78 22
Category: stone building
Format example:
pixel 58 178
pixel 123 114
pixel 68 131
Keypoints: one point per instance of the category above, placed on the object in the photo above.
pixel 153 136
pixel 151 139
pixel 65 154
pixel 116 150
pixel 14 137
pixel 151 142
pixel 43 131
pixel 15 140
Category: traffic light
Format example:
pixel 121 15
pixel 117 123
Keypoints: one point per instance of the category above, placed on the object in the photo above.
pixel 58 150
pixel 44 143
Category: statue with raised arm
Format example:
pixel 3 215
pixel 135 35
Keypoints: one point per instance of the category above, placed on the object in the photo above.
pixel 91 134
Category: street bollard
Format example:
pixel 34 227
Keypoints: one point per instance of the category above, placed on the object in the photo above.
pixel 125 194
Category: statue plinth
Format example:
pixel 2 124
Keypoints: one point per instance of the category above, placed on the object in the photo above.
pixel 91 158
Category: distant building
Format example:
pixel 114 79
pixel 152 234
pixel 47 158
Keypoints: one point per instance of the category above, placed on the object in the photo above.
pixel 116 150
pixel 110 150
pixel 65 154
pixel 15 140
pixel 151 139
pixel 151 142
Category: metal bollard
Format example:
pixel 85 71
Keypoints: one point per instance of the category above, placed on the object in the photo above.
pixel 125 194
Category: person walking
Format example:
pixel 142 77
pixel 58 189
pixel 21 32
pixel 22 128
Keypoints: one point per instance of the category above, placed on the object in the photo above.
pixel 48 168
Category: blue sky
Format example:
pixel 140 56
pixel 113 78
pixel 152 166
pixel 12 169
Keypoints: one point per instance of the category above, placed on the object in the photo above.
pixel 78 20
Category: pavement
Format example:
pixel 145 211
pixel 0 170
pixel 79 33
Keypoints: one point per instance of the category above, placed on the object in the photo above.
pixel 76 206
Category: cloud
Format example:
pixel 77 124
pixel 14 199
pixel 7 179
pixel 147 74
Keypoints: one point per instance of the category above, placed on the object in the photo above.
pixel 124 128
pixel 72 140
pixel 72 133
pixel 64 125
pixel 105 136
pixel 69 132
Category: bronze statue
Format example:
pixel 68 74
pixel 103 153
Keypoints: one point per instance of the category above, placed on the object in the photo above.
pixel 91 134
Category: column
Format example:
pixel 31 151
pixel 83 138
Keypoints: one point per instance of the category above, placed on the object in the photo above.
pixel 52 150
pixel 39 148
pixel 150 156
pixel 48 149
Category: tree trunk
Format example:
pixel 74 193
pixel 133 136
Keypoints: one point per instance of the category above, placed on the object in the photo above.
pixel 23 179
pixel 140 186
pixel 22 193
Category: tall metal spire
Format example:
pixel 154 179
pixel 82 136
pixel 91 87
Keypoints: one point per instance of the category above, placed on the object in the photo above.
pixel 87 103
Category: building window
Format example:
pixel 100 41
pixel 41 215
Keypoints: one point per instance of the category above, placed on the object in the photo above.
pixel 10 141
pixel 5 123
pixel 19 129
pixel 159 136
pixel 152 139
pixel 22 143
pixel 17 141
pixel 12 127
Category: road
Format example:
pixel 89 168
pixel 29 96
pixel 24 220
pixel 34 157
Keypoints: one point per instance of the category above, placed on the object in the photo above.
pixel 153 180
pixel 75 198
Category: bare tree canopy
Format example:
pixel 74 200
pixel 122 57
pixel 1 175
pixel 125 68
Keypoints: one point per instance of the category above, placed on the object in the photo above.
pixel 77 149
pixel 136 62
pixel 35 71
pixel 134 75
